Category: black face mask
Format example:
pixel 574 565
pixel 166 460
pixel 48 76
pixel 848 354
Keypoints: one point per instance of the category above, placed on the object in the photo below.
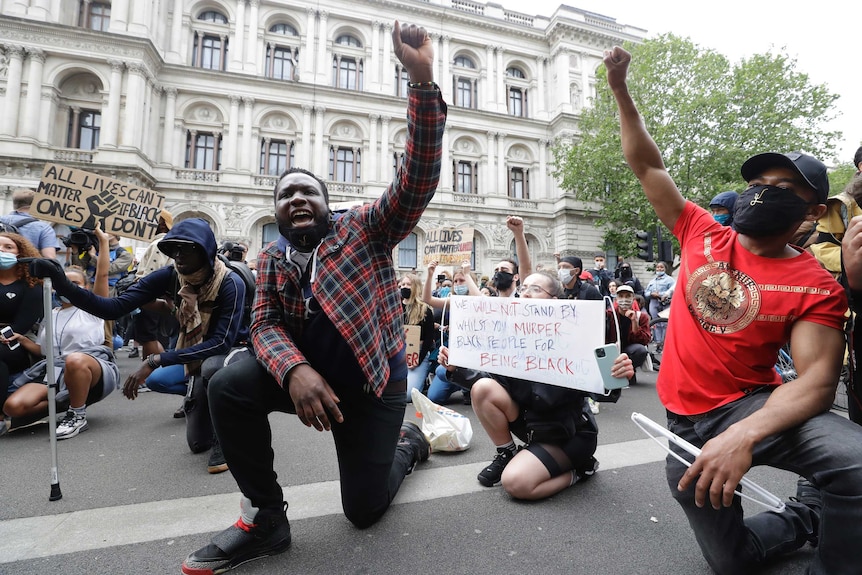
pixel 763 211
pixel 406 293
pixel 503 280
pixel 305 239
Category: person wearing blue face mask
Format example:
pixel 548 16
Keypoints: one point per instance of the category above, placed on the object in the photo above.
pixel 721 207
pixel 417 314
pixel 20 310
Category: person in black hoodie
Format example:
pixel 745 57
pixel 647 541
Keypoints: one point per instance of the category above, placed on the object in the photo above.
pixel 208 301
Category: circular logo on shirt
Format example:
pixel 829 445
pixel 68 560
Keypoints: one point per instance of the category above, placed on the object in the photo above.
pixel 722 299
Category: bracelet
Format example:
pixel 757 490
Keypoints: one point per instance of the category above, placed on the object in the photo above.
pixel 423 85
pixel 151 361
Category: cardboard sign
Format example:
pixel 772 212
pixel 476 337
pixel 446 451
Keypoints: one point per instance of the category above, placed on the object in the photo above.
pixel 83 199
pixel 448 246
pixel 413 335
pixel 544 340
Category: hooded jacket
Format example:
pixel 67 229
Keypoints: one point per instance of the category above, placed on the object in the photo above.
pixel 226 328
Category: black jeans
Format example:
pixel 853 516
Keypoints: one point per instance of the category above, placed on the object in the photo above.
pixel 371 469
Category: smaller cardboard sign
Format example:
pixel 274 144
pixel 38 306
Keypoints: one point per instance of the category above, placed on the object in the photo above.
pixel 84 199
pixel 413 335
pixel 448 246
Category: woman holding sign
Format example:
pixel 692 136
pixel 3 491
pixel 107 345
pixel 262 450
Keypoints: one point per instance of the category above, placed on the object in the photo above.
pixel 555 422
pixel 418 315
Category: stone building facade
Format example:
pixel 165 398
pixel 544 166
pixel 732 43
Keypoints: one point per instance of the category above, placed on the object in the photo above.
pixel 206 101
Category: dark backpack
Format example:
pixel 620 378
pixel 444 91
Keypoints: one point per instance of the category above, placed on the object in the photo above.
pixel 16 228
pixel 243 271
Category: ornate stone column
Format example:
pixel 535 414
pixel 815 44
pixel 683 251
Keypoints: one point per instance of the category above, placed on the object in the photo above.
pixel 488 87
pixel 386 60
pixel 231 141
pixel 169 130
pixel 49 106
pixel 501 83
pixel 305 155
pixel 542 184
pixel 322 61
pixel 490 172
pixel 372 174
pixel 153 134
pixel 119 15
pixel 561 65
pixel 238 41
pixel 384 140
pixel 445 79
pixel 502 167
pixel 320 155
pixel 12 100
pixel 247 119
pixel 111 117
pixel 374 83
pixel 310 67
pixel 175 54
pixel 253 28
pixel 132 117
pixel 33 104
pixel 539 98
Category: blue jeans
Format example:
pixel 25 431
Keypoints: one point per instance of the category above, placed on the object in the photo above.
pixel 416 378
pixel 441 388
pixel 826 449
pixel 169 379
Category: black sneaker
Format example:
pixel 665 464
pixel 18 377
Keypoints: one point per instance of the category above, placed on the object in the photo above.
pixel 216 463
pixel 412 437
pixel 241 543
pixel 809 495
pixel 587 470
pixel 134 353
pixel 181 411
pixel 490 476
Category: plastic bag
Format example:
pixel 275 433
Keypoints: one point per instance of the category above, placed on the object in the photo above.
pixel 445 430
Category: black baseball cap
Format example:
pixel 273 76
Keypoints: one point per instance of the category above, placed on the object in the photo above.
pixel 812 170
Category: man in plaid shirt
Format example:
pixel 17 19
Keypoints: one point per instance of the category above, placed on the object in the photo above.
pixel 327 334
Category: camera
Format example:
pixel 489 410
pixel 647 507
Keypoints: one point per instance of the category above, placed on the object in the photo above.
pixel 81 239
pixel 234 252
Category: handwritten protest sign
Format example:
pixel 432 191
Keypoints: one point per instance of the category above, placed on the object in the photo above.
pixel 544 340
pixel 413 334
pixel 84 199
pixel 448 246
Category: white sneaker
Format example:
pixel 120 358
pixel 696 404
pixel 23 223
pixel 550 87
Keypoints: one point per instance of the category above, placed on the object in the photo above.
pixel 594 405
pixel 72 425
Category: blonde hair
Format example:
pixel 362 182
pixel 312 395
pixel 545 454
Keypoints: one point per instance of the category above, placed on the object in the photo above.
pixel 415 308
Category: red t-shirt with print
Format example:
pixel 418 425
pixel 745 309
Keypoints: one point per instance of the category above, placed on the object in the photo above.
pixel 732 311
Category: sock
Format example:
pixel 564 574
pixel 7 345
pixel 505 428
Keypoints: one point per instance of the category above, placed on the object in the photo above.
pixel 80 411
pixel 510 447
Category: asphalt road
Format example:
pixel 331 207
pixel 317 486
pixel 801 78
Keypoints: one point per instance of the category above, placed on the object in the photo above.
pixel 135 500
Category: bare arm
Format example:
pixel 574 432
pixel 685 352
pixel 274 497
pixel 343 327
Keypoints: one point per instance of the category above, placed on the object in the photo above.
pixel 435 302
pixel 727 457
pixel 472 288
pixel 522 251
pixel 103 262
pixel 639 149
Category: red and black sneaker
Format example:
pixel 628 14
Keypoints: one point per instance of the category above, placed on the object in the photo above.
pixel 241 543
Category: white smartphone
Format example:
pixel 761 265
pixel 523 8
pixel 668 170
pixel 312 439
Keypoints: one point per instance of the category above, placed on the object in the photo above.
pixel 7 333
pixel 605 357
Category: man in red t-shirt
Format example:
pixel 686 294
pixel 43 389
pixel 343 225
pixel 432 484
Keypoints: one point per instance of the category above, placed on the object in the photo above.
pixel 741 294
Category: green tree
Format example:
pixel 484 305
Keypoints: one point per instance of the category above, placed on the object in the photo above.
pixel 706 116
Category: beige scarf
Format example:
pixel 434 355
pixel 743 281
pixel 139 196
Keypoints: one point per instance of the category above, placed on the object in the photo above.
pixel 196 306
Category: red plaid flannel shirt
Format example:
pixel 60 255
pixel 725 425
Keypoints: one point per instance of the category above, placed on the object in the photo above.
pixel 355 282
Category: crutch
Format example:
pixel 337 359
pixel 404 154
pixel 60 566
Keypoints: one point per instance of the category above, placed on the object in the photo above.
pixel 48 350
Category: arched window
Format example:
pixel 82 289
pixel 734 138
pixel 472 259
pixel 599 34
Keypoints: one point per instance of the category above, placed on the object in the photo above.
pixel 344 164
pixel 212 16
pixel 84 129
pixel 348 40
pixel 276 156
pixel 464 82
pixel 516 89
pixel 285 29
